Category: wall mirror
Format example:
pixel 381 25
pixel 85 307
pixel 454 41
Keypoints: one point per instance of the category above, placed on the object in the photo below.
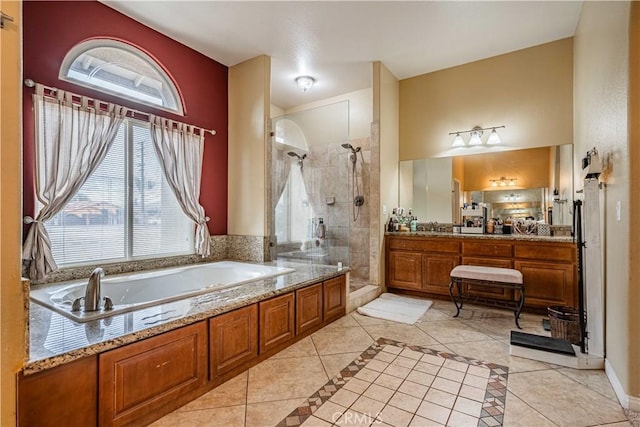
pixel 526 183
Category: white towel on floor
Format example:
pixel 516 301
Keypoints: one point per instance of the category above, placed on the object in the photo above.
pixel 396 308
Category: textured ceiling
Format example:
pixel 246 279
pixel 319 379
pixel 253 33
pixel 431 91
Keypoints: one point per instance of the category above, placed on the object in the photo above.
pixel 336 41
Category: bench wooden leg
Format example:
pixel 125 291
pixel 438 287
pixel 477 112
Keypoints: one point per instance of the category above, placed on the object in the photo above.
pixel 520 305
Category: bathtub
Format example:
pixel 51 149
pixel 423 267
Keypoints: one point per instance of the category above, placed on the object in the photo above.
pixel 145 289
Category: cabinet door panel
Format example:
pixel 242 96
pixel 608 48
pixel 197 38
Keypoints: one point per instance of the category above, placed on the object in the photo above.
pixel 66 395
pixel 144 380
pixel 277 321
pixel 335 297
pixel 547 284
pixel 404 270
pixel 233 339
pixel 436 272
pixel 308 308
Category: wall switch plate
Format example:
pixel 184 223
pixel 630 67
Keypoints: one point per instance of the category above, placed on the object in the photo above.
pixel 618 210
pixel 384 209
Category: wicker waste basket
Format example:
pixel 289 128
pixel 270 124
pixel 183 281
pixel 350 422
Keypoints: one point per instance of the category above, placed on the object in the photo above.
pixel 565 323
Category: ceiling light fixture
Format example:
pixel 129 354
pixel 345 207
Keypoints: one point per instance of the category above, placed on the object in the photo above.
pixel 503 182
pixel 476 136
pixel 305 82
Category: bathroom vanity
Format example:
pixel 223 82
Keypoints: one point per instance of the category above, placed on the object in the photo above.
pixel 420 263
pixel 143 373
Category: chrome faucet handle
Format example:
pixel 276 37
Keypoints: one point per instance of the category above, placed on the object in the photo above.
pixel 76 304
pixel 108 304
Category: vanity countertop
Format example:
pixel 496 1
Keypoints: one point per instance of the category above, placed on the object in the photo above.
pixel 55 339
pixel 521 237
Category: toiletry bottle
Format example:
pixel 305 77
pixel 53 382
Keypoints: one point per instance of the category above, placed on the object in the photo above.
pixel 320 230
pixel 414 223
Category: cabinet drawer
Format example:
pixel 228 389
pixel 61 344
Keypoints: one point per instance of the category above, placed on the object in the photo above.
pixel 141 380
pixel 424 245
pixel 551 252
pixel 489 249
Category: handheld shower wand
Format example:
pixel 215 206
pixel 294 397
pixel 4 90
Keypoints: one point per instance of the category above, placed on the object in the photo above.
pixel 358 199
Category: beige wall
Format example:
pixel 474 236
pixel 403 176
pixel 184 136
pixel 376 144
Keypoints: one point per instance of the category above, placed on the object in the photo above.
pixel 249 101
pixel 529 167
pixel 601 78
pixel 386 119
pixel 529 91
pixel 360 110
pixel 12 327
pixel 634 208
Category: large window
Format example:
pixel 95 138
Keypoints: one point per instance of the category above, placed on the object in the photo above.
pixel 124 211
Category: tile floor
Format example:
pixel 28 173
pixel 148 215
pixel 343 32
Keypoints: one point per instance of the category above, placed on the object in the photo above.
pixel 388 388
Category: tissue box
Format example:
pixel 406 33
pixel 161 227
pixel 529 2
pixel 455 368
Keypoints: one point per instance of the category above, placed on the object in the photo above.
pixel 544 230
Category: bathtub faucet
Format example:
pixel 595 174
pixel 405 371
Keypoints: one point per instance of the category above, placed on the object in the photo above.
pixel 93 290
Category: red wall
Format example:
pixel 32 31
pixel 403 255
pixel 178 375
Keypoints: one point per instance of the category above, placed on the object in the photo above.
pixel 51 28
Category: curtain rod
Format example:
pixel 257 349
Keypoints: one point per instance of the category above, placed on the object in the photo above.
pixel 31 83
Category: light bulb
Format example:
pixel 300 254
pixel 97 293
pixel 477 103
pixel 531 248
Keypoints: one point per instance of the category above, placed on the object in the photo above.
pixel 475 138
pixel 458 141
pixel 305 82
pixel 494 138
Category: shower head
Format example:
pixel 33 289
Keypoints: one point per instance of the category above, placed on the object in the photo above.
pixel 350 147
pixel 292 154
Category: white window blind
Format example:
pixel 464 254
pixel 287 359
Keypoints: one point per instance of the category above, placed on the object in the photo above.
pixel 124 211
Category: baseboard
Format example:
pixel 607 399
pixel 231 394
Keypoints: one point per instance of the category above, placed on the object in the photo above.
pixel 627 402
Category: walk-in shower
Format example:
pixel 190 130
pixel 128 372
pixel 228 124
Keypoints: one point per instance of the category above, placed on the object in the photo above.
pixel 358 199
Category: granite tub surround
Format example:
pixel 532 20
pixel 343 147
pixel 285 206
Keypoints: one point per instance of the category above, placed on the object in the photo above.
pixel 448 235
pixel 54 339
pixel 248 248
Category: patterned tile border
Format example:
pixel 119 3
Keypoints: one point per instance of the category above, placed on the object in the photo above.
pixel 492 413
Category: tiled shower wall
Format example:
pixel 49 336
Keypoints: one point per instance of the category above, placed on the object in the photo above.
pixel 328 178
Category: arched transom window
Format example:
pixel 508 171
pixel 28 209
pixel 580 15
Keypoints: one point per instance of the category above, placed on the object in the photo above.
pixel 123 70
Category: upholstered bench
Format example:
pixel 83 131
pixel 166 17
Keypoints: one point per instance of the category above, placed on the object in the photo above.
pixel 467 279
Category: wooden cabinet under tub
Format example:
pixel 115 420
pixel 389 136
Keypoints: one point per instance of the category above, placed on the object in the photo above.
pixel 138 383
pixel 421 265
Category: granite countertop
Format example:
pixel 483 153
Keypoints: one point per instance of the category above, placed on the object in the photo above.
pixel 55 339
pixel 523 237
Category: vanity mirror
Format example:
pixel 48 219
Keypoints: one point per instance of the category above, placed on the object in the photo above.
pixel 532 182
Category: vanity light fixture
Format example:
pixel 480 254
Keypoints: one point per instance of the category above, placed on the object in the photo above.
pixel 305 82
pixel 476 136
pixel 503 182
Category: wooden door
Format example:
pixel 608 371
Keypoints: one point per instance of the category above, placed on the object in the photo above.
pixel 233 339
pixel 335 297
pixel 308 308
pixel 142 381
pixel 277 322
